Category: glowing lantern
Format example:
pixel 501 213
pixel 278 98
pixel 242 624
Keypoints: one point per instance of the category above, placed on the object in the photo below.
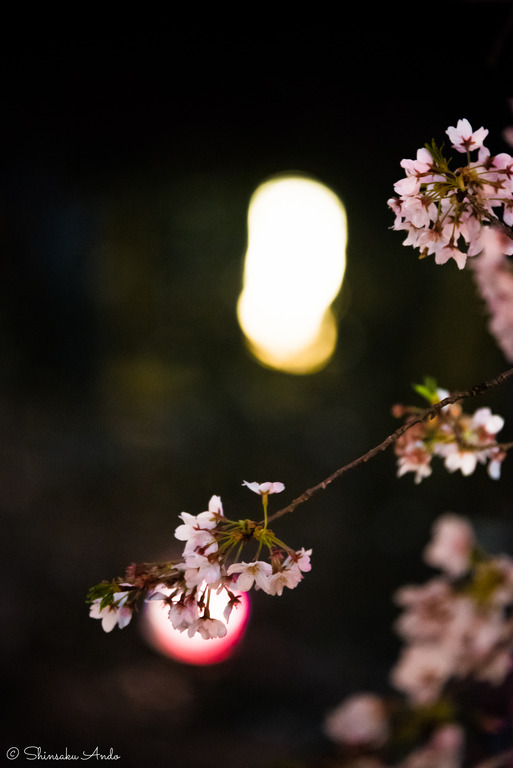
pixel 293 271
pixel 162 636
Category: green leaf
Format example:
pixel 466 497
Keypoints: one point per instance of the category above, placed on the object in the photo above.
pixel 104 591
pixel 437 154
pixel 428 390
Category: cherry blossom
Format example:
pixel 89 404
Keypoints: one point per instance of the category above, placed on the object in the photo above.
pixel 183 613
pixel 251 573
pixel 233 602
pixel 484 636
pixel 198 569
pixel 451 546
pixel 264 488
pixel 460 440
pixel 196 529
pixel 494 279
pixel 422 671
pixel 450 251
pixel 475 443
pixel 455 632
pixel 445 749
pixel 415 459
pixel 110 615
pixel 285 577
pixel 208 628
pixel 419 211
pixel 301 558
pixel 215 505
pixel 464 139
pixel 427 609
pixel 210 560
pixel 446 213
pixel 421 165
pixel 360 720
pixel 495 464
pixel 458 458
pixel 486 424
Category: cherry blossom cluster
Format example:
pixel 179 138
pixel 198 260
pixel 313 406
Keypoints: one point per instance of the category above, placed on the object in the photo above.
pixel 445 212
pixel 458 626
pixel 210 561
pixel 460 440
pixel 458 651
pixel 364 729
pixel 493 274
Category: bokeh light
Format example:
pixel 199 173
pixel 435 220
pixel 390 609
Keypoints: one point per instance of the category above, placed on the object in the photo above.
pixel 294 267
pixel 161 635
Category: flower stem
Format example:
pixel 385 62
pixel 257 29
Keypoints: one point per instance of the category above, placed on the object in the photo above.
pixel 265 499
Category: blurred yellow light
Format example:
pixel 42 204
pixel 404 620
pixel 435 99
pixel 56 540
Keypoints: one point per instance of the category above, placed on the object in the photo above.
pixel 294 267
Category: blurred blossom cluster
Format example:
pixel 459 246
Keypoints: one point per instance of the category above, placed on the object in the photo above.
pixel 453 673
pixel 460 440
pixel 210 561
pixel 446 212
pixel 493 275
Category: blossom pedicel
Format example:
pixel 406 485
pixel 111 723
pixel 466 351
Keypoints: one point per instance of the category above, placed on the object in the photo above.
pixel 210 561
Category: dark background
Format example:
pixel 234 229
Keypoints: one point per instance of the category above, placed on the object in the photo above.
pixel 126 392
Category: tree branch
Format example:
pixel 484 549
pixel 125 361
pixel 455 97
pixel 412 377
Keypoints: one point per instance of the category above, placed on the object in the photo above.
pixel 427 413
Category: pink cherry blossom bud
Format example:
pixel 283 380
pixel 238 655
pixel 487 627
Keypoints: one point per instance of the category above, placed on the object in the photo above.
pixel 215 506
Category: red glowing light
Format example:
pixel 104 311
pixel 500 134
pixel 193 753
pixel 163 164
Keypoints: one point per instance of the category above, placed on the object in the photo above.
pixel 160 633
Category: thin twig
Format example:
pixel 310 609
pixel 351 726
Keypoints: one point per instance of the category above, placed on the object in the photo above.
pixel 421 416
